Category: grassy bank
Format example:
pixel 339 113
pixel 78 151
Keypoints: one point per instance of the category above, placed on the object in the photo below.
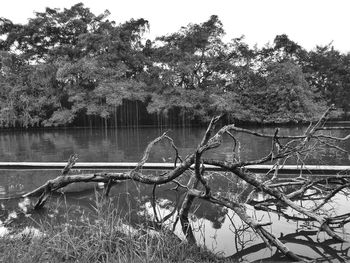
pixel 105 238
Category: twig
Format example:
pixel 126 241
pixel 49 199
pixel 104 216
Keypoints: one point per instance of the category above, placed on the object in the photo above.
pixel 153 202
pixel 330 195
pixel 147 152
pixel 71 162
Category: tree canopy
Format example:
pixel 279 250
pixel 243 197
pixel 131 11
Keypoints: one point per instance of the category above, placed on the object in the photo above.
pixel 64 66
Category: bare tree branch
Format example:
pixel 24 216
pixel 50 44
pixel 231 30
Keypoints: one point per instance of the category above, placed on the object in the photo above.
pixel 277 193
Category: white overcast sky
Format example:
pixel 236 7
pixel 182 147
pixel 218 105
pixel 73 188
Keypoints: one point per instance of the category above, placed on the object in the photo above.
pixel 307 22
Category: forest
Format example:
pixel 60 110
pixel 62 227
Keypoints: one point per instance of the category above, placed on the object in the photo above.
pixel 71 67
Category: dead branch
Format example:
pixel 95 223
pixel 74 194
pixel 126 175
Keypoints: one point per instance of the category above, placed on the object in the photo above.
pixel 71 161
pixel 331 194
pixel 147 152
pixel 239 209
pixel 193 185
pixel 278 193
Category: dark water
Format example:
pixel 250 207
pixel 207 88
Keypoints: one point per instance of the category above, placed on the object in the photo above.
pixel 127 145
pixel 213 225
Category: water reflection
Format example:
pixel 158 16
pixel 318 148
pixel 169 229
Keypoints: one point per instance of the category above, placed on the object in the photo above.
pixel 127 145
pixel 218 229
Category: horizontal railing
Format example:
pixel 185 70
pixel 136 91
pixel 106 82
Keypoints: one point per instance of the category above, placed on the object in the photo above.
pixel 287 169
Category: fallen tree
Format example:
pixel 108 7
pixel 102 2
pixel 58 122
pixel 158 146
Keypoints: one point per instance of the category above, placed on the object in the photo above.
pixel 276 191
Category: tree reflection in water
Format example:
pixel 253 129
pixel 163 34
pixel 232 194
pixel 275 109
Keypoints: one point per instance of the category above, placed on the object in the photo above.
pixel 269 204
pixel 217 228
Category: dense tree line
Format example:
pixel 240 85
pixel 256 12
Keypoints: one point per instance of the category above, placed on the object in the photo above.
pixel 72 67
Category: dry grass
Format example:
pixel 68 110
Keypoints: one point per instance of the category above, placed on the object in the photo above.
pixel 106 238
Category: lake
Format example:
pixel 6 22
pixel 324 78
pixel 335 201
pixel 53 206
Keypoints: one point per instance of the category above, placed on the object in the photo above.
pixel 127 145
pixel 213 225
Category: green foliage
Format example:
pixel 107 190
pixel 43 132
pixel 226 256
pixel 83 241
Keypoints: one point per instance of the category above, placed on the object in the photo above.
pixel 64 65
pixel 190 67
pixel 26 92
pixel 288 95
pixel 328 71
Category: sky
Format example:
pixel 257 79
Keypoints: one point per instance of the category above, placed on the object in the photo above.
pixel 307 22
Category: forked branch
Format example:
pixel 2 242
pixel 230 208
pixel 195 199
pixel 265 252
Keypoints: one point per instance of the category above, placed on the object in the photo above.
pixel 282 148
